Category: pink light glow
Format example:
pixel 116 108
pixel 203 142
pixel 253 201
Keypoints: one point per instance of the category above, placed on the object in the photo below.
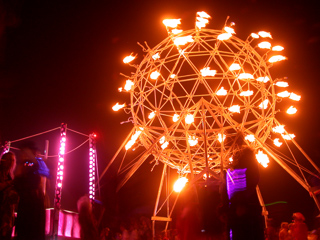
pixel 69 225
pixel 92 158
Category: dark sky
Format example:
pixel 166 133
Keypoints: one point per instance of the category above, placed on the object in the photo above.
pixel 61 62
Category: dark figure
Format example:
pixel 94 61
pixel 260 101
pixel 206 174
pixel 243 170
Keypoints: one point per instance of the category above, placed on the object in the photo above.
pixel 299 230
pixel 245 213
pixel 30 224
pixel 87 222
pixel 8 196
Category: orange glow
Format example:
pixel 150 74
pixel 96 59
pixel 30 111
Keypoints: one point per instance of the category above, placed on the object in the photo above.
pixel 262 158
pixel 193 140
pixel 279 129
pixel 234 108
pixel 264 104
pixel 234 66
pixel 180 184
pixel 183 40
pixel 164 145
pixel 176 31
pixel 189 119
pixel 203 14
pixel 246 93
pixel 128 59
pixel 172 76
pixel 288 136
pixel 156 56
pixel 201 22
pixel 277 48
pixel 282 84
pixel 254 35
pixel 207 72
pixel 229 30
pixel 245 76
pixel 263 79
pixel 151 115
pixel 295 97
pixel 265 34
pixel 175 118
pixel 250 138
pixel 118 106
pixel 172 23
pixel 277 58
pixel 120 89
pixel 133 139
pixel 154 75
pixel 222 92
pixel 221 137
pixel 264 45
pixel 162 139
pixel 277 142
pixel 283 94
pixel 224 36
pixel 129 85
pixel 292 110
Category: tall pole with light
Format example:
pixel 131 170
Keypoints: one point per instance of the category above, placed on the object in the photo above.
pixel 92 166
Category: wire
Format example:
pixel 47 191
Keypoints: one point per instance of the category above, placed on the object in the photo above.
pixel 69 129
pixel 34 135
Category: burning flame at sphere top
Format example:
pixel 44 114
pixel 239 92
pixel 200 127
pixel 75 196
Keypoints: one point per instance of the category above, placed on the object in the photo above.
pixel 233 86
pixel 180 184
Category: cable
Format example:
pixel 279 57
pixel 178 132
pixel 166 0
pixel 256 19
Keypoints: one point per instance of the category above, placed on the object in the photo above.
pixel 69 129
pixel 34 135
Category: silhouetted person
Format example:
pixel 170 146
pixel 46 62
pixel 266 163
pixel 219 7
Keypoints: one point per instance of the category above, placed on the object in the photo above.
pixel 88 228
pixel 245 213
pixel 8 196
pixel 30 224
pixel 299 230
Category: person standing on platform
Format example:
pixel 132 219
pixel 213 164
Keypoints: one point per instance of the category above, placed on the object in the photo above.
pixel 8 196
pixel 30 224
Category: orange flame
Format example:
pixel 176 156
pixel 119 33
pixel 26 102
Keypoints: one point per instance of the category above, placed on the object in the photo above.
pixel 207 72
pixel 246 93
pixel 189 119
pixel 277 48
pixel 292 110
pixel 234 108
pixel 129 58
pixel 154 75
pixel 277 142
pixel 118 106
pixel 222 92
pixel 183 40
pixel 264 45
pixel 245 76
pixel 262 158
pixel 234 66
pixel 265 34
pixel 277 58
pixel 172 23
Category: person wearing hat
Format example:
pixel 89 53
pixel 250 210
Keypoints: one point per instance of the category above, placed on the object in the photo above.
pixel 299 230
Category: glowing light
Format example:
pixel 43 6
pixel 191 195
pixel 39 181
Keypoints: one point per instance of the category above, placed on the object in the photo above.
pixel 224 36
pixel 133 139
pixel 234 108
pixel 221 137
pixel 154 75
pixel 175 117
pixel 172 23
pixel 234 66
pixel 264 104
pixel 279 129
pixel 245 76
pixel 193 140
pixel 263 79
pixel 183 40
pixel 264 45
pixel 189 119
pixel 203 14
pixel 164 145
pixel 129 59
pixel 151 115
pixel 162 139
pixel 288 136
pixel 176 31
pixel 201 22
pixel 295 97
pixel 92 162
pixel 277 142
pixel 207 72
pixel 118 106
pixel 180 184
pixel 292 110
pixel 282 84
pixel 172 76
pixel 230 159
pixel 222 92
pixel 265 34
pixel 120 89
pixel 283 94
pixel 250 138
pixel 246 93
pixel 229 30
pixel 254 35
pixel 277 58
pixel 277 48
pixel 156 56
pixel 262 158
pixel 128 85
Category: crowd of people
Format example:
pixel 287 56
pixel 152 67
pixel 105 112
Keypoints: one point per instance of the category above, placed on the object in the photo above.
pixel 22 191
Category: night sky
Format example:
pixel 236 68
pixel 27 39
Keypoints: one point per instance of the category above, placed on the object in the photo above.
pixel 60 61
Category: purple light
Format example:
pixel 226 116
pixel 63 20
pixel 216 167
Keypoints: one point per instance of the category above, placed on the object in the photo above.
pixel 92 158
pixel 236 181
